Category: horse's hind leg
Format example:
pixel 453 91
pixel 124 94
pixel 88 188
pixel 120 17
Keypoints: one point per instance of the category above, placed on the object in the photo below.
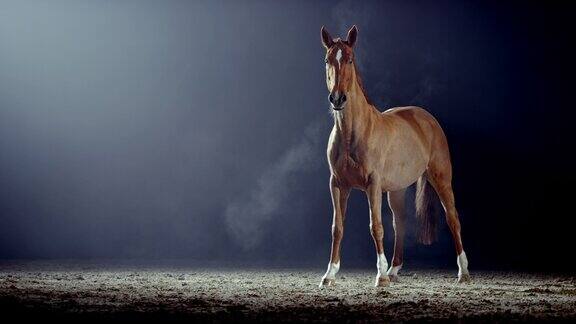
pixel 396 203
pixel 441 180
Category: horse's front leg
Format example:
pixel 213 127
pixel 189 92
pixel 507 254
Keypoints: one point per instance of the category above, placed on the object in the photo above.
pixel 374 194
pixel 339 201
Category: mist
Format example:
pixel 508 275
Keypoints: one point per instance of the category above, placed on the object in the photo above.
pixel 248 216
pixel 198 129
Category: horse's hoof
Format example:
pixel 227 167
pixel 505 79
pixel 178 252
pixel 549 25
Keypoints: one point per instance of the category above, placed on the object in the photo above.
pixel 383 281
pixel 394 278
pixel 327 282
pixel 464 278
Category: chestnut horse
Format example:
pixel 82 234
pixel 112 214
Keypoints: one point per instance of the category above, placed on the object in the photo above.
pixel 383 152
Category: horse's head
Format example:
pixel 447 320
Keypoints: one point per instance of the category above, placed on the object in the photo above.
pixel 339 66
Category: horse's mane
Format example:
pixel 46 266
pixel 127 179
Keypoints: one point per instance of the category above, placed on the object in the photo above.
pixel 361 85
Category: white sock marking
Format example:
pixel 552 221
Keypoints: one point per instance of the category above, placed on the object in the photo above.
pixel 393 271
pixel 339 56
pixel 381 264
pixel 462 262
pixel 332 270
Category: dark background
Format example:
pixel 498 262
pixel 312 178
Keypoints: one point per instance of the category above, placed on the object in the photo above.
pixel 197 130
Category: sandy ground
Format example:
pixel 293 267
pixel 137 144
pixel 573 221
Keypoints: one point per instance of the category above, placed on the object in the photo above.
pixel 99 292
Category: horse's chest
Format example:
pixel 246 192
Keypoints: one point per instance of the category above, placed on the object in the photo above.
pixel 349 168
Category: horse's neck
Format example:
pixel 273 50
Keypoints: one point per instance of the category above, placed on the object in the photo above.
pixel 355 118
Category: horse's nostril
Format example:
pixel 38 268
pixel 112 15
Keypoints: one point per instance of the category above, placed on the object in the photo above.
pixel 343 98
pixel 331 98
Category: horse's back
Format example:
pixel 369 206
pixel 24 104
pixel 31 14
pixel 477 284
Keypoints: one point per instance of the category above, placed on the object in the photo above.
pixel 411 113
pixel 418 119
pixel 426 128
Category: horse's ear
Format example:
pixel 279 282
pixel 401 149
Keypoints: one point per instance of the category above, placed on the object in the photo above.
pixel 352 36
pixel 326 38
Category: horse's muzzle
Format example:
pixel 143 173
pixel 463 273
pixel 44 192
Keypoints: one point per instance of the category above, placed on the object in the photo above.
pixel 337 99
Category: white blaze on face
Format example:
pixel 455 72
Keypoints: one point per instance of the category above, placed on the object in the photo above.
pixel 339 56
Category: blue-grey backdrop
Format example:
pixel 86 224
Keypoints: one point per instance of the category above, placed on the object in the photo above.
pixel 197 129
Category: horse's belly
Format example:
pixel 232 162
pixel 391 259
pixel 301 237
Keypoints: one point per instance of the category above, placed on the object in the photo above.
pixel 402 167
pixel 400 179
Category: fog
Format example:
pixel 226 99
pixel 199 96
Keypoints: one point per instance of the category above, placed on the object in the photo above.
pixel 197 129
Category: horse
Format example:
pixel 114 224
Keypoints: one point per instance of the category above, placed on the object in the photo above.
pixel 379 152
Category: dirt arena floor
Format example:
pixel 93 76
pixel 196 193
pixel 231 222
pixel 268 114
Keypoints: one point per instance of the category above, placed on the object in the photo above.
pixel 97 292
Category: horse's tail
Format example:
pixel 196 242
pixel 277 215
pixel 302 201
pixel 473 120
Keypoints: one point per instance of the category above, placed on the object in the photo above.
pixel 425 212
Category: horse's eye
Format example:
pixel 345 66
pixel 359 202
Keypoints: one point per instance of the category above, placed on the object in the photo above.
pixel 326 61
pixel 350 61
